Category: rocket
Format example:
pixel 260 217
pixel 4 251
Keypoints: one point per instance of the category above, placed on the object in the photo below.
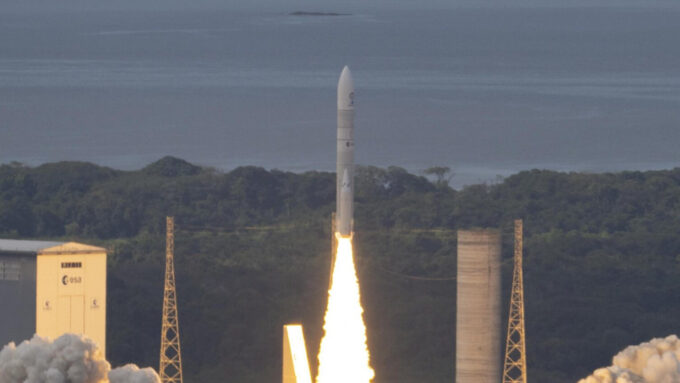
pixel 344 210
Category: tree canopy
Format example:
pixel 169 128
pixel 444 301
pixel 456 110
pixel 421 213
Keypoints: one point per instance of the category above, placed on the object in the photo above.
pixel 602 259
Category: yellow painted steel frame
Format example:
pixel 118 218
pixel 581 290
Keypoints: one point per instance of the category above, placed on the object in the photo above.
pixel 170 369
pixel 515 366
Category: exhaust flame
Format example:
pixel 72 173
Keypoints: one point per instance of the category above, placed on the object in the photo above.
pixel 343 356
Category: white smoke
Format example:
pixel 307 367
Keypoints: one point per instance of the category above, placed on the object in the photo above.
pixel 69 359
pixel 133 374
pixel 656 361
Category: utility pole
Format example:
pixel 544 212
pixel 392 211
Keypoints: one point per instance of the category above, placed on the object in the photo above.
pixel 170 369
pixel 515 366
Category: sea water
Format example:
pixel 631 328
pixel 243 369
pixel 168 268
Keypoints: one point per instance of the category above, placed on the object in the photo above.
pixel 485 90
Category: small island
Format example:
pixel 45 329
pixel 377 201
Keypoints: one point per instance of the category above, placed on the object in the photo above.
pixel 304 13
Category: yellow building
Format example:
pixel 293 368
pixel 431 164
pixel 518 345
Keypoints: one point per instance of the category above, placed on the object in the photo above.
pixel 52 288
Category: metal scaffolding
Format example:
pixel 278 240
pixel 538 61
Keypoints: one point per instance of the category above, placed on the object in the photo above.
pixel 515 366
pixel 170 369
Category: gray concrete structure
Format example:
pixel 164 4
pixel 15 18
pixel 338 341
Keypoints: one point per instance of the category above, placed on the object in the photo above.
pixel 478 313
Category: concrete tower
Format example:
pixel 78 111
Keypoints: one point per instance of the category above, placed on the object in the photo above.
pixel 478 313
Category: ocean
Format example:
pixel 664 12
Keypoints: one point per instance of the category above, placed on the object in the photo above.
pixel 485 90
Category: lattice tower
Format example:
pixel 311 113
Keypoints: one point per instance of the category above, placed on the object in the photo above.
pixel 170 369
pixel 515 366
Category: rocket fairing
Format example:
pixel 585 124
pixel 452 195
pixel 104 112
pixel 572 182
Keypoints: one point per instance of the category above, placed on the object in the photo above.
pixel 344 211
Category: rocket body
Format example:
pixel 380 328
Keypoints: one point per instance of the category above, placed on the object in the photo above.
pixel 344 211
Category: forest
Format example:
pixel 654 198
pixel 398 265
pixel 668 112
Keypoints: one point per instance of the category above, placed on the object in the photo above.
pixel 253 249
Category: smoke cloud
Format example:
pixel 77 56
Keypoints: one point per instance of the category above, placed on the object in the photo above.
pixel 69 359
pixel 133 374
pixel 656 361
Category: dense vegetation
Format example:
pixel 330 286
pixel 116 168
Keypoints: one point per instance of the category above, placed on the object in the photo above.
pixel 602 260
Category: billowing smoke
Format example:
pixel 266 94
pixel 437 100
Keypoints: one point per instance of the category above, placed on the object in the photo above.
pixel 656 361
pixel 69 359
pixel 133 374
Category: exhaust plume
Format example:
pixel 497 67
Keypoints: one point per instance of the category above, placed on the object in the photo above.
pixel 69 359
pixel 656 361
pixel 343 354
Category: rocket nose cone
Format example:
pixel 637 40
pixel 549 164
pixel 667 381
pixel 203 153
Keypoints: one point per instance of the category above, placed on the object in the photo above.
pixel 346 72
pixel 346 90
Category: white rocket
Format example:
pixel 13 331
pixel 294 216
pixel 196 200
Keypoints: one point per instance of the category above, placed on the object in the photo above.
pixel 344 211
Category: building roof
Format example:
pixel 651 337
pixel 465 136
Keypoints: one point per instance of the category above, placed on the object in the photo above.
pixel 45 247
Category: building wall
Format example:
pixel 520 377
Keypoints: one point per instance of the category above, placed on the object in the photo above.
pixel 71 295
pixel 17 298
pixel 478 307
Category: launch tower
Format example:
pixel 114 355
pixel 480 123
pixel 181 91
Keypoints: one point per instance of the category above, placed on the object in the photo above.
pixel 515 366
pixel 170 369
pixel 478 319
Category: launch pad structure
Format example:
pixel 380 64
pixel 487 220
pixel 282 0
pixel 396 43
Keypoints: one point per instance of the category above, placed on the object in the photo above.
pixel 478 320
pixel 170 368
pixel 515 366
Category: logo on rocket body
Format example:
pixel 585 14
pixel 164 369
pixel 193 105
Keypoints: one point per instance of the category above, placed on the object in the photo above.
pixel 346 90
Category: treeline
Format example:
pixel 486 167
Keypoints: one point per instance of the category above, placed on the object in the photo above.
pixel 602 259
